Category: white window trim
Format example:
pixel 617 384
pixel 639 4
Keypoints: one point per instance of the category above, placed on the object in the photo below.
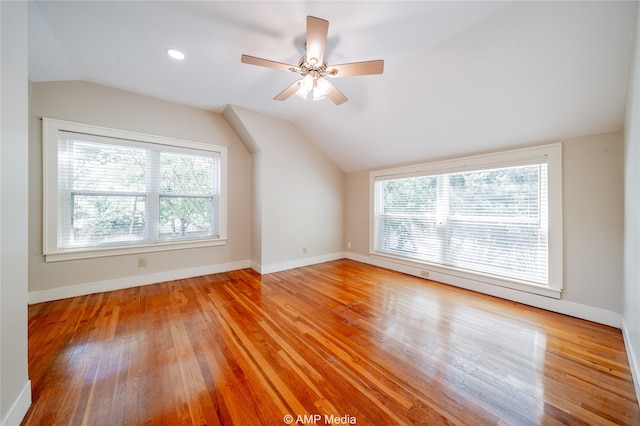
pixel 552 152
pixel 51 128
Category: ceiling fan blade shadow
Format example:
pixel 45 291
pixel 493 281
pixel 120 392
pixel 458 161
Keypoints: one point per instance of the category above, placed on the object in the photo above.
pixel 288 91
pixel 335 95
pixel 252 60
pixel 356 68
pixel 220 16
pixel 317 30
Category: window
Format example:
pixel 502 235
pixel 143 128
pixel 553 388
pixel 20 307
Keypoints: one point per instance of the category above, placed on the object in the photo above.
pixel 114 192
pixel 496 218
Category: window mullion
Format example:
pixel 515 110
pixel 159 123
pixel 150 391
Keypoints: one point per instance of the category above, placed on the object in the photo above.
pixel 152 215
pixel 442 217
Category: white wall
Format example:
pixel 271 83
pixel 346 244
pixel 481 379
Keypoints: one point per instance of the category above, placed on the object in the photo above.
pixel 298 193
pixel 593 202
pixel 631 289
pixel 593 209
pixel 15 388
pixel 356 212
pixel 94 104
pixel 256 183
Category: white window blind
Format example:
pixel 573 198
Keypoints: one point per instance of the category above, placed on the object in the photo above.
pixel 490 220
pixel 113 192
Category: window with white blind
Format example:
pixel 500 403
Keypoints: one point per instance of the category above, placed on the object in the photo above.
pixel 108 191
pixel 495 218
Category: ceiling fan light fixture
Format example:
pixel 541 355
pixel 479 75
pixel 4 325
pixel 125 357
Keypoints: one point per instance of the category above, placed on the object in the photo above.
pixel 311 83
pixel 317 95
pixel 321 89
pixel 305 86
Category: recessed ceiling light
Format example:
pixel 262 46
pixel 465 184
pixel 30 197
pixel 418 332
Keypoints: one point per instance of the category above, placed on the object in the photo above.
pixel 175 54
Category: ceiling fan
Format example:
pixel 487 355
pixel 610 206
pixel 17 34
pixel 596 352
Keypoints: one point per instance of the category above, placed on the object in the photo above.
pixel 313 67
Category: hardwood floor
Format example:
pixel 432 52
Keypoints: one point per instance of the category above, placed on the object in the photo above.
pixel 365 345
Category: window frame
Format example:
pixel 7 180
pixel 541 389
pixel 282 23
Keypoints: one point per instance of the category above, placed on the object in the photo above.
pixel 553 155
pixel 51 218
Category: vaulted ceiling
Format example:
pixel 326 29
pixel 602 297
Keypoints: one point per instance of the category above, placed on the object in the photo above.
pixel 460 77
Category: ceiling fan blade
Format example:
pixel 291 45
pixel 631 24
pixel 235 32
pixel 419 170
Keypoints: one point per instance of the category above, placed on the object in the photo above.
pixel 288 91
pixel 252 60
pixel 356 68
pixel 317 30
pixel 335 95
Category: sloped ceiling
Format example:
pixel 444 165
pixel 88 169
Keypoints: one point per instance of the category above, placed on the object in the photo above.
pixel 460 77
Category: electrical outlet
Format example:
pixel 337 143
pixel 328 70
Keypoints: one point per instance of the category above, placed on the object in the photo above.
pixel 424 274
pixel 349 244
pixel 142 262
pixel 304 250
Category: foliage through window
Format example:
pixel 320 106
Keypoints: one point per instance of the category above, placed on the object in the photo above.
pixel 487 220
pixel 115 192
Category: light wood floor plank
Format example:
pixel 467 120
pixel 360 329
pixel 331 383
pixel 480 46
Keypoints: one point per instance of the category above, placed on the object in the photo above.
pixel 339 339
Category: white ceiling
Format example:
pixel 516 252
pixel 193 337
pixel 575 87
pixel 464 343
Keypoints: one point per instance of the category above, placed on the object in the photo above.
pixel 460 77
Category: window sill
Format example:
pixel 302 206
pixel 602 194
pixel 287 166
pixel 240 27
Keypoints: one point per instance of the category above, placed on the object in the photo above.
pixel 59 256
pixel 455 276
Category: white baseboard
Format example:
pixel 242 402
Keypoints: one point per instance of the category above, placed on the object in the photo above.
pixel 134 281
pixel 578 310
pixel 256 267
pixel 297 263
pixel 19 408
pixel 139 280
pixel 632 356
